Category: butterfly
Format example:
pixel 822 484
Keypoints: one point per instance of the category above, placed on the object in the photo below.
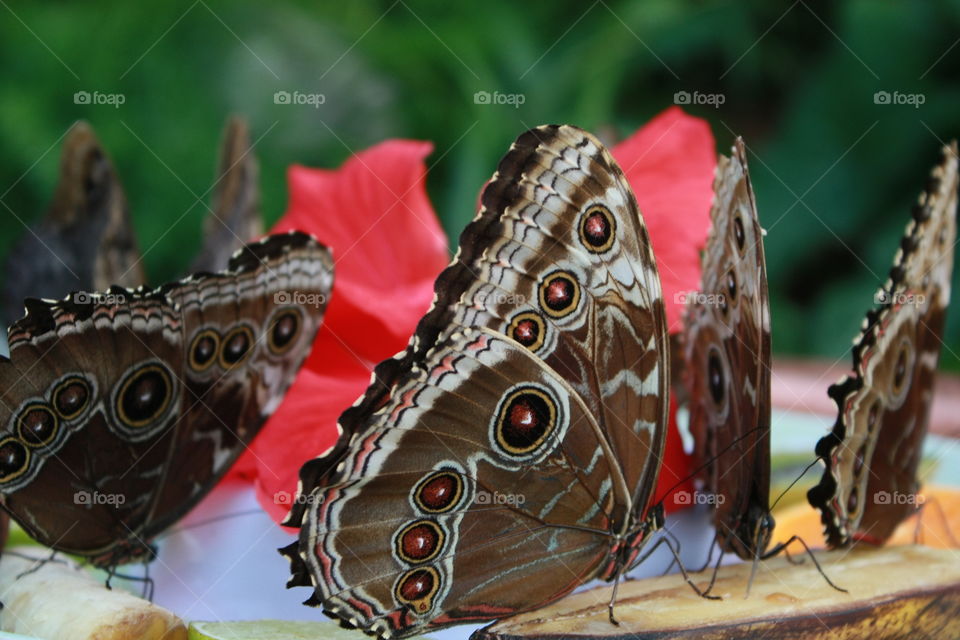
pixel 85 241
pixel 119 411
pixel 872 454
pixel 727 364
pixel 510 453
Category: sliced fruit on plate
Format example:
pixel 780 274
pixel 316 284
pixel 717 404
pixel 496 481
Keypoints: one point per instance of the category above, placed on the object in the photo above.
pixel 271 630
pixel 894 592
pixel 57 600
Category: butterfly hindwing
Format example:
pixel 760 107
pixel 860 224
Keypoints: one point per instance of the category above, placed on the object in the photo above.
pixel 445 511
pixel 873 452
pixel 121 410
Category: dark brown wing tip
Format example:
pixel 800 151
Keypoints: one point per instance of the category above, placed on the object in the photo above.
pixel 273 247
pixel 299 574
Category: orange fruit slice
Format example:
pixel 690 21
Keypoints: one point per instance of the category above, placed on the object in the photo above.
pixel 936 524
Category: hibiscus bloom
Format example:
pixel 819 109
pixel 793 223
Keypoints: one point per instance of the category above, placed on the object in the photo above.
pixel 388 246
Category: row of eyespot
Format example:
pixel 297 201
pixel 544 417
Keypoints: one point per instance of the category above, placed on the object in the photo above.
pixel 233 347
pixel 144 395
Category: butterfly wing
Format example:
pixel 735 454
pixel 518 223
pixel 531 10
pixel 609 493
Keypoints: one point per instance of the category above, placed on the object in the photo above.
pixel 556 266
pixel 873 452
pixel 558 204
pixel 727 353
pixel 455 508
pixel 120 411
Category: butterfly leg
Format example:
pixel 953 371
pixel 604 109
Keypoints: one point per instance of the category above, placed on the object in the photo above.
pixel 679 562
pixel 783 545
pixel 792 560
pixel 669 568
pixel 613 599
pixel 38 562
pixel 713 576
pixel 145 579
pixel 111 573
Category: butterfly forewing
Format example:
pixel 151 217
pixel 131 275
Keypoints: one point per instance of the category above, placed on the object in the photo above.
pixel 727 353
pixel 874 450
pixel 121 410
pixel 557 275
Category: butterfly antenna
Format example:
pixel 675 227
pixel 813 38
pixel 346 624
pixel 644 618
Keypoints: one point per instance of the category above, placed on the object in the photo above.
pixel 792 484
pixel 707 463
pixel 208 521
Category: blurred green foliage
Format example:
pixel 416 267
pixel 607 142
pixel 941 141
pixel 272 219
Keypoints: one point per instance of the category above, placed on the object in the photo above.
pixel 835 173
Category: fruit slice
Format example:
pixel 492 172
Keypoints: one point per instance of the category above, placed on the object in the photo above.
pixel 271 630
pixel 894 592
pixel 939 521
pixel 60 600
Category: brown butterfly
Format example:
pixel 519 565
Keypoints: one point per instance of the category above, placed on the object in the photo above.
pixel 873 452
pixel 119 411
pixel 727 353
pixel 511 452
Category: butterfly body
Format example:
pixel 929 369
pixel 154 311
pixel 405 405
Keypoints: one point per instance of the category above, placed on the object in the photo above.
pixel 509 454
pixel 119 411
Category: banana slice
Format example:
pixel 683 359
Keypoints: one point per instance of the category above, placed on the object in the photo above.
pixel 894 592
